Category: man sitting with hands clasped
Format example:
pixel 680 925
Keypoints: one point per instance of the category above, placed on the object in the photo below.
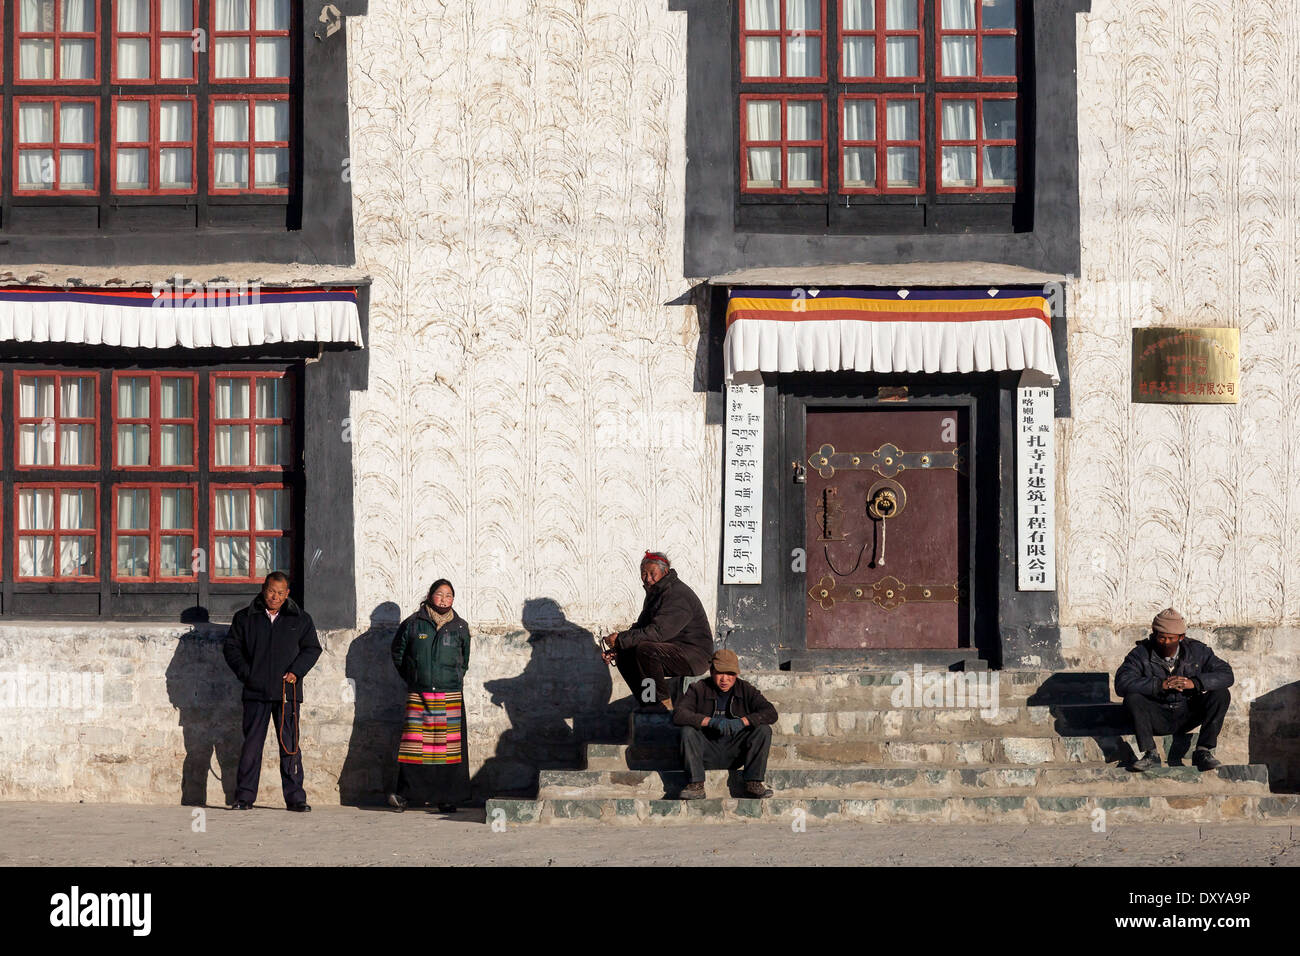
pixel 725 723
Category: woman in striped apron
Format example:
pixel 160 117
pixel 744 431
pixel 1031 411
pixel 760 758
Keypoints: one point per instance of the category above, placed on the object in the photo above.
pixel 431 652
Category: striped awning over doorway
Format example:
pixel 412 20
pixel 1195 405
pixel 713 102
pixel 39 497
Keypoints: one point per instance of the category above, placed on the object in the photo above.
pixel 888 330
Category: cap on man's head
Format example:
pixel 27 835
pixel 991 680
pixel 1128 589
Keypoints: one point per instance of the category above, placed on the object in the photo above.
pixel 1169 621
pixel 725 662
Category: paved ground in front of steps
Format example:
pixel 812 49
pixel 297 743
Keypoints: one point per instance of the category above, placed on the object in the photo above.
pixel 33 834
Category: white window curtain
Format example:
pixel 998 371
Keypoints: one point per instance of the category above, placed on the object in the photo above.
pixel 273 445
pixel 77 123
pixel 231 445
pixel 271 121
pixel 77 556
pixel 232 398
pixel 763 122
pixel 859 57
pixel 230 54
pixel 959 119
pixel 762 54
pixel 133 509
pixel 859 14
pixel 902 120
pixel 175 59
pixel 860 167
pixel 76 59
pixel 132 169
pixel 35 441
pixel 803 120
pixel 958 166
pixel 35 513
pixel 36 59
pixel 177 445
pixel 859 120
pixel 230 510
pixel 803 53
pixel 133 58
pixel 36 397
pixel 229 15
pixel 78 16
pixel 902 166
pixel 132 16
pixel 272 509
pixel 76 509
pixel 37 16
pixel 133 396
pixel 230 166
pixel 272 14
pixel 762 14
pixel 900 14
pixel 273 56
pixel 175 16
pixel 958 14
pixel 272 398
pixel 272 555
pixel 133 556
pixel 132 445
pixel 174 556
pixel 176 509
pixel 36 123
pixel 959 56
pixel 900 56
pixel 803 14
pixel 177 396
pixel 36 510
pixel 231 558
pixel 77 398
pixel 176 164
pixel 76 169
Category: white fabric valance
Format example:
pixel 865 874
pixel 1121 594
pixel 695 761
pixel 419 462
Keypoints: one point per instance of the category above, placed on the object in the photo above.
pixel 234 317
pixel 927 330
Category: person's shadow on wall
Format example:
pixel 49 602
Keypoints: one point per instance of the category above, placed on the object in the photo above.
pixel 379 709
pixel 1275 736
pixel 557 705
pixel 207 696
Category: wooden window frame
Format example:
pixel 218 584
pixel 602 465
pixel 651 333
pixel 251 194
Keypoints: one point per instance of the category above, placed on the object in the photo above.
pixel 251 145
pixel 979 33
pixel 156 144
pixel 251 34
pixel 155 36
pixel 154 533
pixel 881 33
pixel 57 35
pixel 56 533
pixel 783 35
pixel 978 143
pixel 56 146
pixel 155 421
pixel 784 144
pixel 252 422
pixel 881 144
pixel 56 419
pixel 256 576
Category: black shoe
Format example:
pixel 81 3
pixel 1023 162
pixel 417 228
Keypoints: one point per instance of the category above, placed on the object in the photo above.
pixel 1147 761
pixel 446 808
pixel 757 790
pixel 1204 760
pixel 299 808
pixel 241 805
pixel 692 791
pixel 398 802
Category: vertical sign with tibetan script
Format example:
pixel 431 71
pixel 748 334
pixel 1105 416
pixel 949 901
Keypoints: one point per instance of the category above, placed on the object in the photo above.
pixel 742 533
pixel 1035 490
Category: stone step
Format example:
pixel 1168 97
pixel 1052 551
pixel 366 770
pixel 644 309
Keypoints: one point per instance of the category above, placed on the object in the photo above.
pixel 940 781
pixel 927 687
pixel 1078 809
pixel 1041 750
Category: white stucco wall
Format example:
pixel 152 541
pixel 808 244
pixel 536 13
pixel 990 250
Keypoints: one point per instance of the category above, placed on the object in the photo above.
pixel 1189 115
pixel 532 424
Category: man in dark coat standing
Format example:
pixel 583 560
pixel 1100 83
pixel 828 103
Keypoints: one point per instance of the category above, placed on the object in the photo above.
pixel 671 638
pixel 271 646
pixel 1171 684
pixel 726 722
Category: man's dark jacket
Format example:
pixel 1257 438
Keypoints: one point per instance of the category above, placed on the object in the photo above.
pixel 673 614
pixel 261 653
pixel 1142 674
pixel 431 658
pixel 701 698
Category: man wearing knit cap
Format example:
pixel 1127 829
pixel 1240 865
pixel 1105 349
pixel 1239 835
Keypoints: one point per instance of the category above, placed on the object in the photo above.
pixel 1171 684
pixel 670 639
pixel 726 723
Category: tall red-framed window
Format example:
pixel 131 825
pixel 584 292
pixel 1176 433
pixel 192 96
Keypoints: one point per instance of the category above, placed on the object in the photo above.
pixel 154 531
pixel 249 144
pixel 57 425
pixel 880 41
pixel 783 143
pixel 56 146
pixel 251 534
pixel 977 142
pixel 881 147
pixel 783 41
pixel 153 41
pixel 56 533
pixel 153 145
pixel 57 41
pixel 250 41
pixel 977 39
pixel 251 421
pixel 155 421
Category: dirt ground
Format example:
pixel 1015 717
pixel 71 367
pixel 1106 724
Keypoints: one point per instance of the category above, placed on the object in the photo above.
pixel 119 835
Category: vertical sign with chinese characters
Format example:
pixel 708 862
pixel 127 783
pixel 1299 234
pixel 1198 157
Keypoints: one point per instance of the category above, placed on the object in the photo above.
pixel 742 533
pixel 1035 490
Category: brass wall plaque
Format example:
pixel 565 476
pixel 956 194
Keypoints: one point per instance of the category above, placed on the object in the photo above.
pixel 1177 366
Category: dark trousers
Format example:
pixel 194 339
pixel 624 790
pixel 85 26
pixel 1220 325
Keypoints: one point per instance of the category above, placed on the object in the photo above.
pixel 1151 718
pixel 256 715
pixel 704 749
pixel 656 662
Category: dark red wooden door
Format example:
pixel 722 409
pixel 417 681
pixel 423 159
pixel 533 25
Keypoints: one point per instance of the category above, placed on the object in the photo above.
pixel 890 575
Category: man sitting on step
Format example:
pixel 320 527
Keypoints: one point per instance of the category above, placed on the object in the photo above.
pixel 726 722
pixel 671 638
pixel 1170 684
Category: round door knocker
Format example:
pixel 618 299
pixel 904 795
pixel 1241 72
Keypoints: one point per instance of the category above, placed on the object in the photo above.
pixel 886 499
